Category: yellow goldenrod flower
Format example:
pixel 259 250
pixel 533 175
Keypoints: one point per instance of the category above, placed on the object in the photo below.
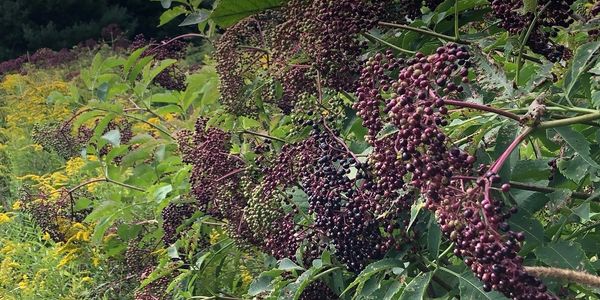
pixel 214 237
pixel 4 218
pixel 46 236
pixel 17 205
pixel 246 275
pixel 74 165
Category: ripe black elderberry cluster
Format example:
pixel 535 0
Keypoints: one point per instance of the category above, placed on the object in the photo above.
pixel 411 96
pixel 58 138
pixel 557 14
pixel 173 216
pixel 318 290
pixel 173 77
pixel 51 215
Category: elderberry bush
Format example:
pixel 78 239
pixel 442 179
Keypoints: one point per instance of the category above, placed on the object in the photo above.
pixel 415 102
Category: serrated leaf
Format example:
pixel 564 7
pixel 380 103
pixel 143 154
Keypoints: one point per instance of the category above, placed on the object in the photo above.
pixel 580 61
pixel 577 142
pixel 574 169
pixel 562 254
pixel 491 76
pixel 160 193
pixel 248 123
pixel 417 287
pixel 195 18
pixel 229 12
pixel 531 170
pixel 532 203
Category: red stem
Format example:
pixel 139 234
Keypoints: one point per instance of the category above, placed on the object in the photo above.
pixel 500 161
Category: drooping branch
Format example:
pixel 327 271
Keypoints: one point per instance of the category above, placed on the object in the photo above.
pixel 566 275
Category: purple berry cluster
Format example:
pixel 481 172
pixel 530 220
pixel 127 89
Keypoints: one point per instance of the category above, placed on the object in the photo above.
pixel 173 77
pixel 411 97
pixel 557 13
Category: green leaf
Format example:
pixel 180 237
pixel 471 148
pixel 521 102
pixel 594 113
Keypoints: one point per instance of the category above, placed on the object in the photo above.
pixel 581 59
pixel 128 231
pixel 531 170
pixel 530 6
pixel 417 287
pixel 414 212
pixel 387 130
pixel 161 192
pixel 574 169
pixel 578 142
pixel 374 268
pixel 583 211
pixel 471 288
pixel 229 12
pixel 165 3
pixel 562 254
pixel 392 290
pixel 287 264
pixel 532 203
pixel 196 17
pixel 434 237
pixel 532 228
pixel 132 59
pixel 164 98
pixel 490 76
pixel 506 135
pixel 113 137
pixel 171 14
pixel 248 123
pixel 260 285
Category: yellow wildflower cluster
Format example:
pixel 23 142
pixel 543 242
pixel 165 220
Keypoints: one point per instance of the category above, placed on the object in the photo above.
pixel 214 237
pixel 26 99
pixel 74 165
pixel 147 128
pixel 49 184
pixel 246 275
pixel 4 218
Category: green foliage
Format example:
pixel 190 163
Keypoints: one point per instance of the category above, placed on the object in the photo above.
pixel 113 192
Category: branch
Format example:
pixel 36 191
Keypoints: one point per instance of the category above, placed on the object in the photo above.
pixel 566 275
pixel 543 189
pixel 426 32
pixel 569 121
pixel 263 135
pixel 525 39
pixel 484 108
pixel 375 39
pixel 105 179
